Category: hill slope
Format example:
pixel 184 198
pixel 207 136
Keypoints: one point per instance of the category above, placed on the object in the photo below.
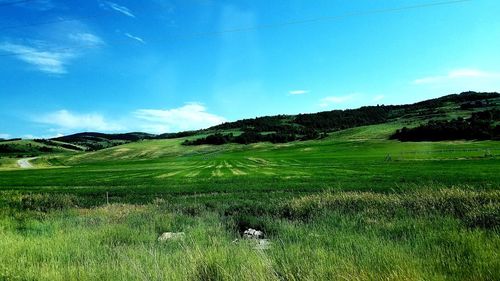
pixel 286 128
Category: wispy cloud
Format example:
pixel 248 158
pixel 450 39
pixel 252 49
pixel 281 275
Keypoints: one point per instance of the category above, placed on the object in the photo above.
pixel 455 75
pixel 137 38
pixel 52 58
pixel 331 100
pixel 121 9
pixel 378 98
pixel 188 117
pixel 298 92
pixel 66 121
pixel 86 39
pixel 40 5
pixel 42 59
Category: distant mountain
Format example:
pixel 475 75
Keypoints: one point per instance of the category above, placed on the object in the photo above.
pixel 95 141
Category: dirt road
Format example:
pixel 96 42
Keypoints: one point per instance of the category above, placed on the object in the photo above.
pixel 25 162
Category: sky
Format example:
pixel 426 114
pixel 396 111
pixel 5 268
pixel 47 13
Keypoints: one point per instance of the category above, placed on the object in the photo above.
pixel 172 65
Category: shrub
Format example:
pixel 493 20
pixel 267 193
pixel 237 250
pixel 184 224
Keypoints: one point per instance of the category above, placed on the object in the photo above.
pixel 43 202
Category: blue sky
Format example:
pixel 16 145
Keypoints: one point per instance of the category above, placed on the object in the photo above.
pixel 165 66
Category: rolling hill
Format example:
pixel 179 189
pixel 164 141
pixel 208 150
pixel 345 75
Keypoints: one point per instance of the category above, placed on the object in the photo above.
pixel 286 128
pixel 468 115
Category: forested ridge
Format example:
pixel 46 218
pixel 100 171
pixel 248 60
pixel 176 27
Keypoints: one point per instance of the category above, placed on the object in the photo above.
pixel 286 128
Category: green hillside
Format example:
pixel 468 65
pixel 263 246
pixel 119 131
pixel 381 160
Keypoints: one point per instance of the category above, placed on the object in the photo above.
pixel 289 128
pixel 283 128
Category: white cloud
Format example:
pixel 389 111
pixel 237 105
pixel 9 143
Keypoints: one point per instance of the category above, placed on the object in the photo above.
pixel 327 101
pixel 298 92
pixel 121 9
pixel 191 116
pixel 43 60
pixel 4 136
pixel 86 39
pixel 48 136
pixel 457 74
pixel 65 121
pixel 378 98
pixel 137 38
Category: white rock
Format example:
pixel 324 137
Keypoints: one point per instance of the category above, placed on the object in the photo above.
pixel 255 238
pixel 170 236
pixel 253 234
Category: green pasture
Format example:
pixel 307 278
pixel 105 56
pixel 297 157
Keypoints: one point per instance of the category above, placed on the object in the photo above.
pixel 167 166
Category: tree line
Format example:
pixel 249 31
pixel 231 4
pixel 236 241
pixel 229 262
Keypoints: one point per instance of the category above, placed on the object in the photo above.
pixel 58 144
pixel 480 126
pixel 23 149
pixel 249 137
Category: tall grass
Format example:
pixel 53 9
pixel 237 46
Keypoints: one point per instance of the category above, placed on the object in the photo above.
pixel 476 208
pixel 413 235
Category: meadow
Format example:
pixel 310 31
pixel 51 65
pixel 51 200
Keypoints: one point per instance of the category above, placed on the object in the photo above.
pixel 352 206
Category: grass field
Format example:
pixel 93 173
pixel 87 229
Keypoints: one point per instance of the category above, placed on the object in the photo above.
pixel 353 206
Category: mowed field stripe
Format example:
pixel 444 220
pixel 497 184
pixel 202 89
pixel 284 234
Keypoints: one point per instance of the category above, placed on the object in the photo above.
pixel 237 172
pixel 217 173
pixel 192 174
pixel 168 175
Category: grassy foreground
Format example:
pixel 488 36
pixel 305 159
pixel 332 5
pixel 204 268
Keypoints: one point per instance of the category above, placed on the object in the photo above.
pixel 351 207
pixel 431 234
